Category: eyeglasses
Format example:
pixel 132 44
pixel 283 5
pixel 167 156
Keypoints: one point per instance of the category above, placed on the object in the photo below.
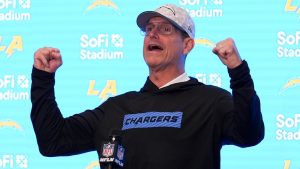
pixel 162 28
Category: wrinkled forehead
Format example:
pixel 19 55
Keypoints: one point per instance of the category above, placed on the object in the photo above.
pixel 158 19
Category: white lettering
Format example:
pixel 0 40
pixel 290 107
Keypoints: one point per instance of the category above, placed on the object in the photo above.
pixel 101 47
pixel 8 79
pixel 7 4
pixel 98 42
pixel 280 120
pixel 287 122
pixel 203 12
pixel 280 52
pixel 119 162
pixel 106 159
pixel 286 52
pixel 84 41
pixel 287 135
pixel 6 160
pixel 283 38
pixel 11 161
pixel 13 16
pixel 192 2
pixel 11 95
pixel 103 54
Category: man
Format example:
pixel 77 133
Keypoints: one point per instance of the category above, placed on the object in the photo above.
pixel 173 122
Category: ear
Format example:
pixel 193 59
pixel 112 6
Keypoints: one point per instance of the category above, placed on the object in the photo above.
pixel 188 45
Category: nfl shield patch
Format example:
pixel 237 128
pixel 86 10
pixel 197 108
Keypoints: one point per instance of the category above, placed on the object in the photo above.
pixel 120 153
pixel 108 150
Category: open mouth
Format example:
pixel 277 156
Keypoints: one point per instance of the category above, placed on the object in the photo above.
pixel 155 47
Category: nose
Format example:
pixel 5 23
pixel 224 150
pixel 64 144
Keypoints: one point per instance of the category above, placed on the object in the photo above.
pixel 153 33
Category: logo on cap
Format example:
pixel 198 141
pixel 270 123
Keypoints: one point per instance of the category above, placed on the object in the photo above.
pixel 171 9
pixel 178 16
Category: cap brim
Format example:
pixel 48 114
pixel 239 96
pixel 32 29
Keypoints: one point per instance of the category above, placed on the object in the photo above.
pixel 144 17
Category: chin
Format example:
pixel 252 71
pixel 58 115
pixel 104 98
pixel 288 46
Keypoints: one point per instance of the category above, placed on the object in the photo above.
pixel 151 63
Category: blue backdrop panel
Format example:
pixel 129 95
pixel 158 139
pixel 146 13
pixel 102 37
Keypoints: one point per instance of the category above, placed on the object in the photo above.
pixel 102 57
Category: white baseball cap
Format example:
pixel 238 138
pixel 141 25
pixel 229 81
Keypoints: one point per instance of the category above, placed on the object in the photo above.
pixel 178 16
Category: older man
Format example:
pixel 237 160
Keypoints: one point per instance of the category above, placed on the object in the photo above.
pixel 173 122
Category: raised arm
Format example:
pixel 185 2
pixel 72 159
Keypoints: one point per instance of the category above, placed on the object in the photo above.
pixel 241 114
pixel 55 134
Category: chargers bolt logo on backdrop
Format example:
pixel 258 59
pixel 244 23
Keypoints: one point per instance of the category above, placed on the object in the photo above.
pixel 106 3
pixel 10 124
pixel 94 164
pixel 288 125
pixel 287 164
pixel 291 83
pixel 205 42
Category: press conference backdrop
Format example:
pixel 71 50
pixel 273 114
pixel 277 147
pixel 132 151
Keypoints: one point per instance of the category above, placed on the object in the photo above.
pixel 102 57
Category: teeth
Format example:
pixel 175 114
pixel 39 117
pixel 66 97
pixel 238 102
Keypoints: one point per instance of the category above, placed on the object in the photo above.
pixel 153 47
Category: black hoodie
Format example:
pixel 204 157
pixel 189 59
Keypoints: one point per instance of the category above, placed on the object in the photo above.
pixel 181 126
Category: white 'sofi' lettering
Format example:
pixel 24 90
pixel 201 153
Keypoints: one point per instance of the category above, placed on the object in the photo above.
pixel 288 44
pixel 285 127
pixel 283 38
pixel 11 161
pixel 288 122
pixel 12 12
pixel 10 87
pixel 100 41
pixel 100 47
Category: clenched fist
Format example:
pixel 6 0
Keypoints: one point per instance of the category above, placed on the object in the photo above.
pixel 47 59
pixel 228 53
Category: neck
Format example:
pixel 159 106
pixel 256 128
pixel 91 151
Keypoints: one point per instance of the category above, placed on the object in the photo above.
pixel 162 77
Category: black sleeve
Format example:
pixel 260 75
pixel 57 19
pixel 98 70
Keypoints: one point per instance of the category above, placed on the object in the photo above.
pixel 55 134
pixel 242 119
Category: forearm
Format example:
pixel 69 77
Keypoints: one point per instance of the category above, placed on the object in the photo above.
pixel 55 135
pixel 45 116
pixel 247 115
